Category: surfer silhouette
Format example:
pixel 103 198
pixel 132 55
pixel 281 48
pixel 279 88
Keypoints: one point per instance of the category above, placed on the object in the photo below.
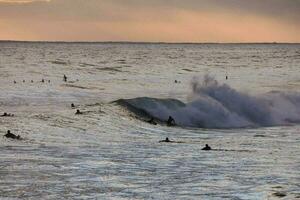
pixel 72 105
pixel 171 121
pixel 78 112
pixel 65 78
pixel 7 115
pixel 12 136
pixel 4 115
pixel 166 140
pixel 206 148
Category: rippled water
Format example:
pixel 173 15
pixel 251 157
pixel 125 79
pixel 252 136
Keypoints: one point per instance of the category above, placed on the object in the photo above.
pixel 109 153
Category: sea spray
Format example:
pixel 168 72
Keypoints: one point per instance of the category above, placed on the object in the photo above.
pixel 215 105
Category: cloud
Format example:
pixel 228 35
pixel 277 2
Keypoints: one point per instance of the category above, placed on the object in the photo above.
pixel 189 20
pixel 98 9
pixel 21 1
pixel 284 9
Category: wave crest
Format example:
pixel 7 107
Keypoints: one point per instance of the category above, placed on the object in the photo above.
pixel 215 105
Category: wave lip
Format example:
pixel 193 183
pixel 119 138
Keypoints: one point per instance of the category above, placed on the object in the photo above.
pixel 215 105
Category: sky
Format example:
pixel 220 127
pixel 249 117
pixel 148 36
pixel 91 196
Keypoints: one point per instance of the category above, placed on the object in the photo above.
pixel 151 20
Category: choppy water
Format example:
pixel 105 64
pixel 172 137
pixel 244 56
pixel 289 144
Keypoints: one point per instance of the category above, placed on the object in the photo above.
pixel 109 153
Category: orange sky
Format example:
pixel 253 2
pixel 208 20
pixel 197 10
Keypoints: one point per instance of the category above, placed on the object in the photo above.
pixel 151 21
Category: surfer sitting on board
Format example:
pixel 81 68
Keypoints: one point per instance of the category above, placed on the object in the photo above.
pixel 65 78
pixel 78 112
pixel 206 148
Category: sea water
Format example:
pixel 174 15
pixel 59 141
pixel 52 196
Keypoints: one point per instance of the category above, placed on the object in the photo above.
pixel 250 119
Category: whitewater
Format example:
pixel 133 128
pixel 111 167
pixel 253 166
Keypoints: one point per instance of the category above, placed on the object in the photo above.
pixel 219 106
pixel 251 119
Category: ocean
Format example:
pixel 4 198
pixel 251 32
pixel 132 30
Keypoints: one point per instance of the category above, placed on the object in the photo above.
pixel 243 100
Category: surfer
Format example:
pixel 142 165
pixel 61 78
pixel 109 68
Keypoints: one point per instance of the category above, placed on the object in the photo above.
pixel 206 148
pixel 78 112
pixel 65 78
pixel 7 115
pixel 72 105
pixel 15 82
pixel 166 140
pixel 226 77
pixel 151 121
pixel 31 81
pixel 43 80
pixel 12 136
pixel 171 121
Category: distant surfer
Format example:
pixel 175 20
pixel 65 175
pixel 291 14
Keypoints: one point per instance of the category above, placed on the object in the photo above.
pixel 65 78
pixel 78 112
pixel 166 140
pixel 12 136
pixel 206 148
pixel 15 82
pixel 43 81
pixel 171 121
pixel 23 81
pixel 72 105
pixel 152 121
pixel 7 115
pixel 31 81
pixel 226 77
pixel 4 115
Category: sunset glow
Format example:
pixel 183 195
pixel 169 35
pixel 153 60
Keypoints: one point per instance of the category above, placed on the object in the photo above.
pixel 151 21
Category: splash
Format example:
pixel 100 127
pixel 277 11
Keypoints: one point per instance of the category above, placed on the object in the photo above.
pixel 215 105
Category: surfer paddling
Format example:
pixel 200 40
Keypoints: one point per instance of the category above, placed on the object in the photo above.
pixel 165 140
pixel 7 115
pixel 12 136
pixel 169 141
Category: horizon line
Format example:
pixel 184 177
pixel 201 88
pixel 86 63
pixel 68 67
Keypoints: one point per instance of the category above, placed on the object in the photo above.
pixel 140 42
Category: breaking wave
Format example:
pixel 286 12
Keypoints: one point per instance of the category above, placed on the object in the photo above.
pixel 214 105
